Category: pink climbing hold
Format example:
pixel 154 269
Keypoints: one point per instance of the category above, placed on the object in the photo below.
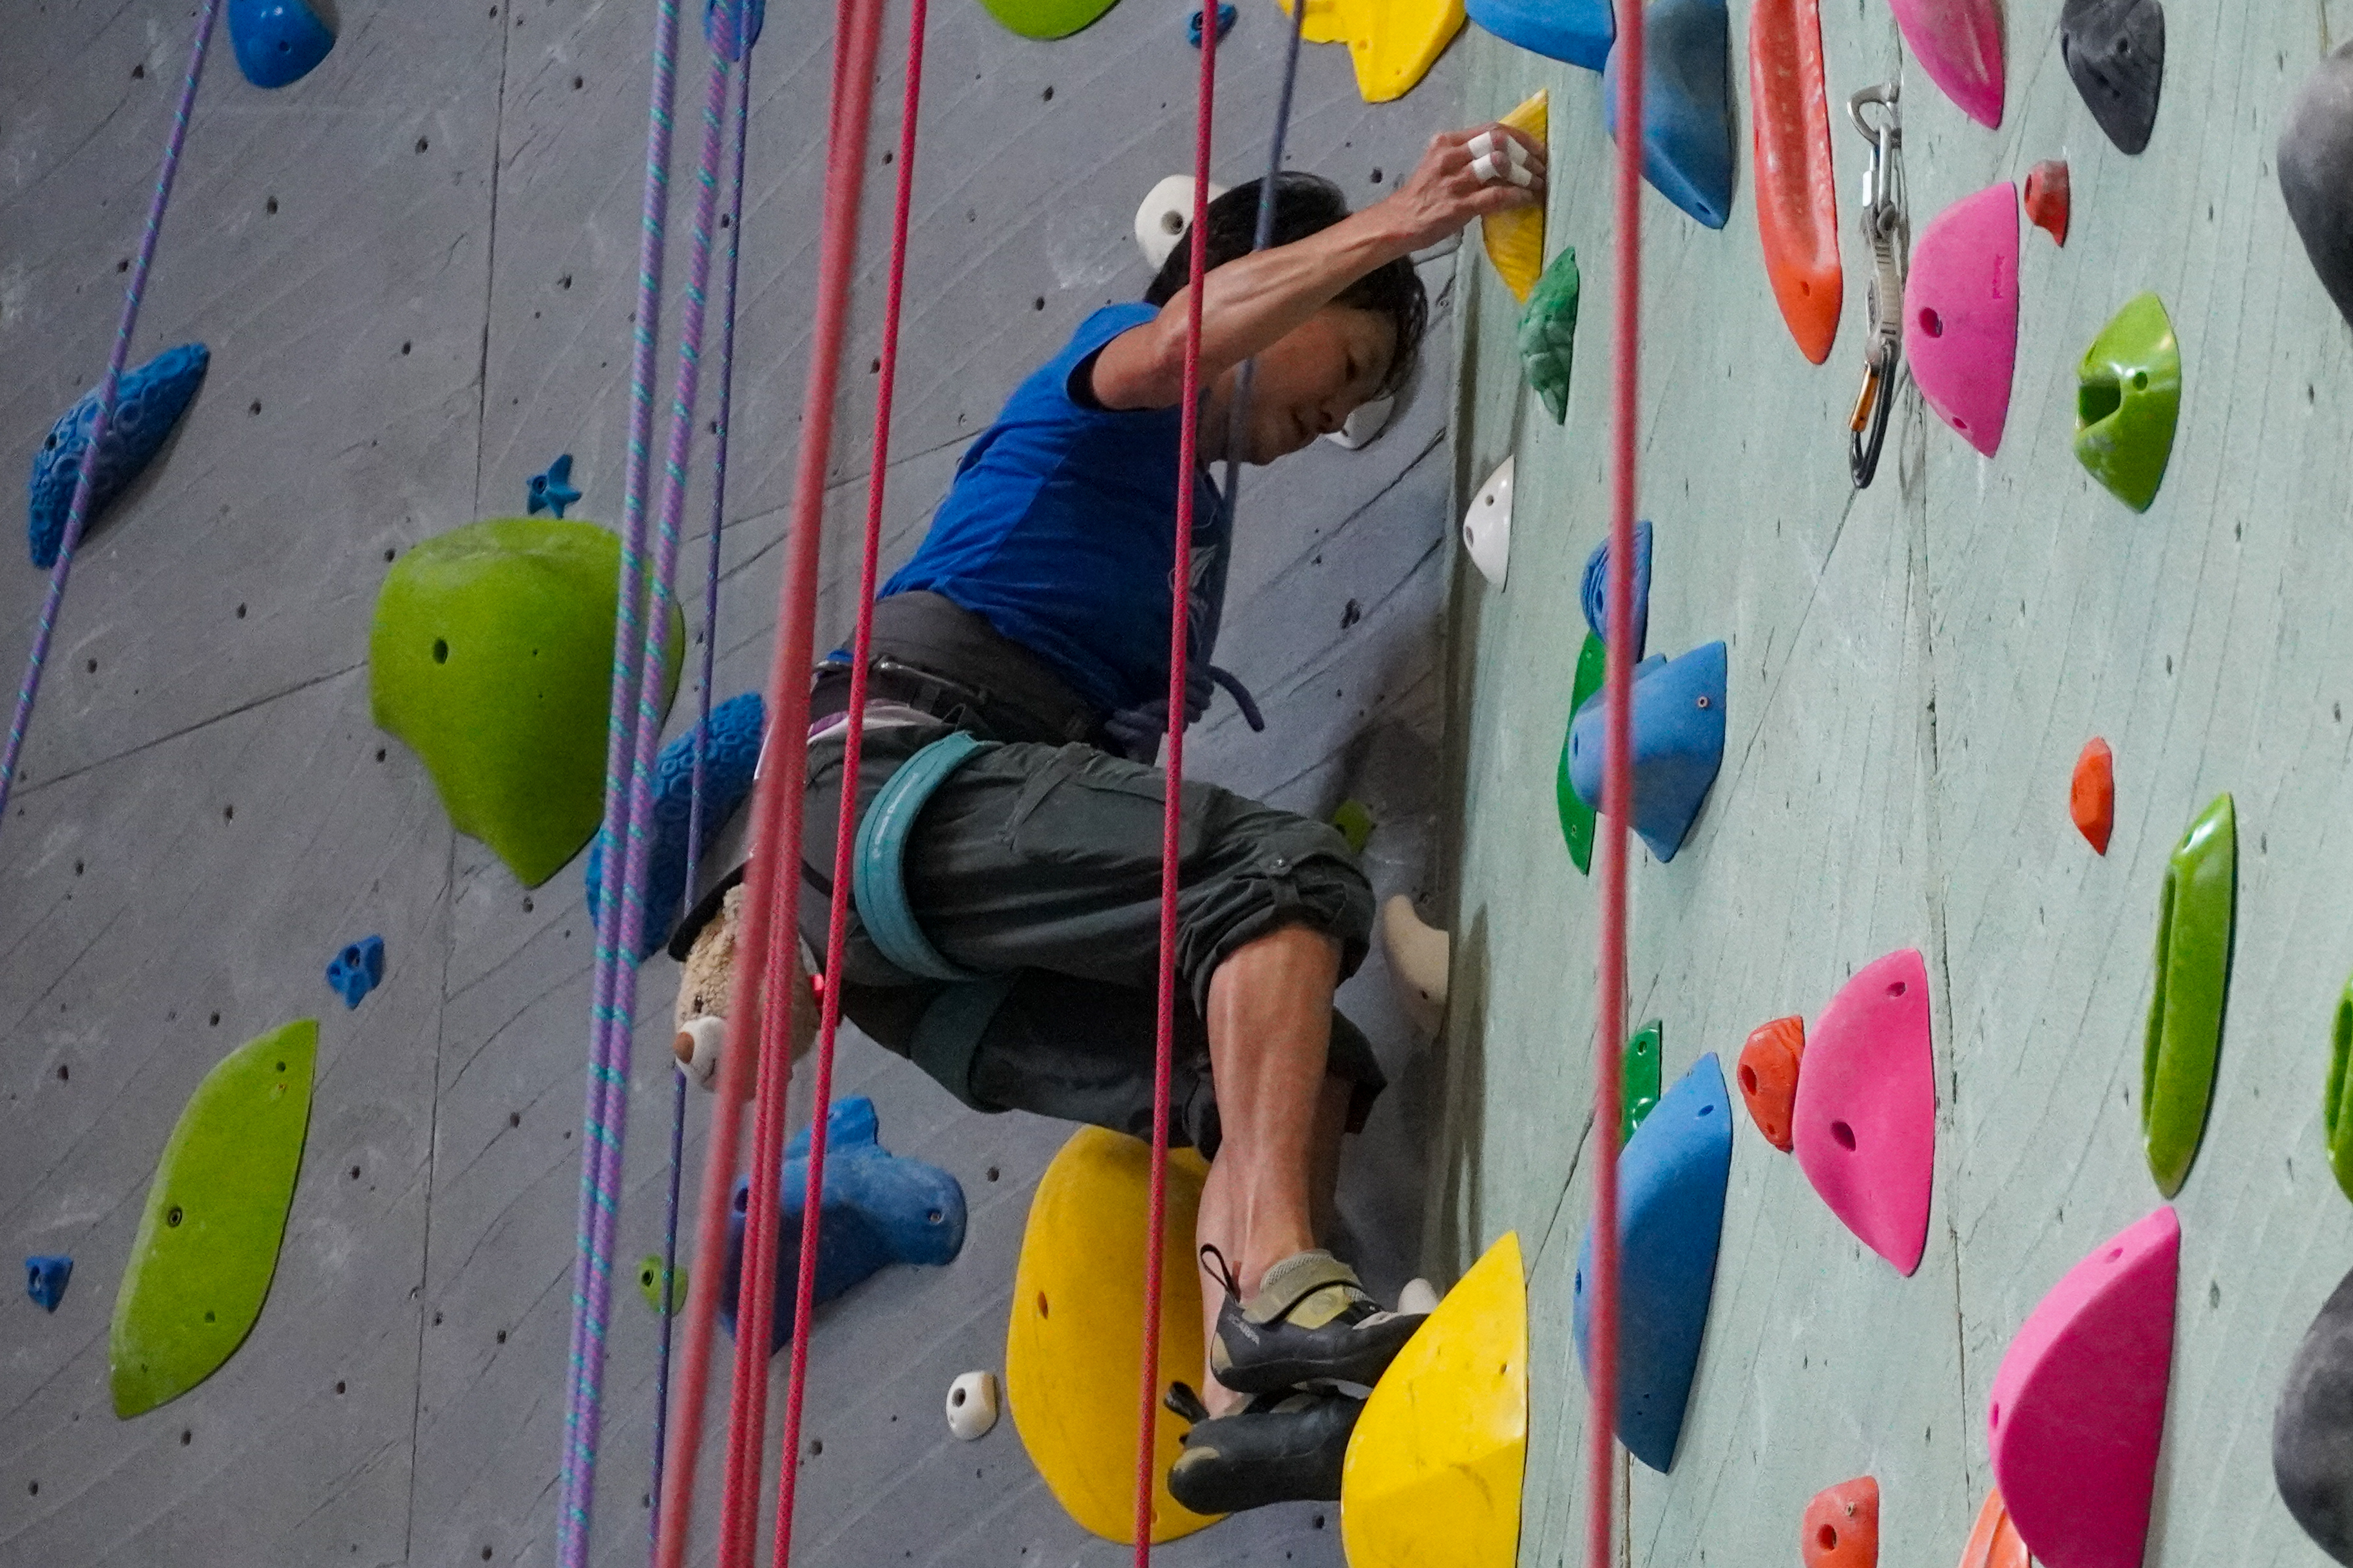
pixel 1866 1112
pixel 1960 314
pixel 1959 43
pixel 2078 1406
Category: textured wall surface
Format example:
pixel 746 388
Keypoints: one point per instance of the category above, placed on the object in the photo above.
pixel 1914 670
pixel 416 270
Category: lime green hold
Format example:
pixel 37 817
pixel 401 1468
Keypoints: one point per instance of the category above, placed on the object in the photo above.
pixel 2128 402
pixel 1548 332
pixel 1575 816
pixel 650 1275
pixel 492 658
pixel 1046 18
pixel 2337 1110
pixel 207 1244
pixel 1354 821
pixel 1641 1078
pixel 2195 917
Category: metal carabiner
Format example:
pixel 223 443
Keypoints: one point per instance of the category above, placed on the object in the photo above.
pixel 1882 221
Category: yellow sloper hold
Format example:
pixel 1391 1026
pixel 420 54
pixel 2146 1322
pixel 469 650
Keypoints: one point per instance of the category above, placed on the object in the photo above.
pixel 1516 239
pixel 1072 1359
pixel 1433 1472
pixel 1392 43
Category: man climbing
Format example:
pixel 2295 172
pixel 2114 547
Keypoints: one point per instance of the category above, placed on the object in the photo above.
pixel 1009 840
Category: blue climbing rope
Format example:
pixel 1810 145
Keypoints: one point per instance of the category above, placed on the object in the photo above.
pixel 108 388
pixel 734 224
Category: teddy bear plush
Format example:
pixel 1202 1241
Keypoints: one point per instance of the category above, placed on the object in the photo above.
pixel 705 946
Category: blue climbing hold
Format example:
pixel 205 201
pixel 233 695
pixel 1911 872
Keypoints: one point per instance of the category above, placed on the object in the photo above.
pixel 357 970
pixel 1671 1175
pixel 878 1209
pixel 1597 588
pixel 1678 743
pixel 277 41
pixel 729 757
pixel 719 27
pixel 551 490
pixel 1687 107
pixel 148 403
pixel 45 1280
pixel 1579 32
pixel 1226 15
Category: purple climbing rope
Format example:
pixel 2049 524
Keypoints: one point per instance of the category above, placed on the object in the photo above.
pixel 78 512
pixel 734 223
pixel 592 1280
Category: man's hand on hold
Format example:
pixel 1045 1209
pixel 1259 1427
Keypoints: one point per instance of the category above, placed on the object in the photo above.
pixel 1465 174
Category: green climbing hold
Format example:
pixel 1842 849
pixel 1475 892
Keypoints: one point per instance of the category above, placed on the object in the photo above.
pixel 1046 18
pixel 2338 1110
pixel 1575 816
pixel 491 658
pixel 207 1244
pixel 1641 1078
pixel 2194 920
pixel 1354 821
pixel 1548 332
pixel 2128 402
pixel 649 1285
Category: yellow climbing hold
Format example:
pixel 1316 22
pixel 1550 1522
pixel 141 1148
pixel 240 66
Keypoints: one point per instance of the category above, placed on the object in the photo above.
pixel 1433 1472
pixel 1392 43
pixel 1073 1355
pixel 1516 239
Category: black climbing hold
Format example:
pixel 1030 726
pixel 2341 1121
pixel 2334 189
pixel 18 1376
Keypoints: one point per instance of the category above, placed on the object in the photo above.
pixel 2315 173
pixel 2312 1433
pixel 2115 51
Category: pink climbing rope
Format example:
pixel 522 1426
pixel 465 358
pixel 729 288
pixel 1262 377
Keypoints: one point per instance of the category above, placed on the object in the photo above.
pixel 768 975
pixel 1617 792
pixel 108 388
pixel 845 838
pixel 1180 577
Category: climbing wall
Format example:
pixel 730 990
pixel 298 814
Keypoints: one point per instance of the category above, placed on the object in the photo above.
pixel 416 270
pixel 1912 671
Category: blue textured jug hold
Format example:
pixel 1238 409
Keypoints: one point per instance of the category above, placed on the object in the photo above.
pixel 878 1209
pixel 1671 1175
pixel 730 755
pixel 147 402
pixel 1595 591
pixel 1687 135
pixel 1678 743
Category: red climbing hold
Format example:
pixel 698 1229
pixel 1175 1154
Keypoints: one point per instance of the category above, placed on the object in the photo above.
pixel 2046 198
pixel 2092 794
pixel 1841 1528
pixel 1994 1544
pixel 1768 1077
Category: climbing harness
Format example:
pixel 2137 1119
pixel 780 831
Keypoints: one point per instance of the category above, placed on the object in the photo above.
pixel 109 390
pixel 1883 225
pixel 880 874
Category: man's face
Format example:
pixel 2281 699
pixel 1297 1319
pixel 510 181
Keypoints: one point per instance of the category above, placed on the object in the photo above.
pixel 1309 380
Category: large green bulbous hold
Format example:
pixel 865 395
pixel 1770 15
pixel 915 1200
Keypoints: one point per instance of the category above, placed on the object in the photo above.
pixel 492 656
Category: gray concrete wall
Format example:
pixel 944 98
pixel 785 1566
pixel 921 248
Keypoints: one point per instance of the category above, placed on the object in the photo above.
pixel 416 270
pixel 1912 672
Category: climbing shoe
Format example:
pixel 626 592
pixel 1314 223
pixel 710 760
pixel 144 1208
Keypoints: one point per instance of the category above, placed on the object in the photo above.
pixel 1280 1448
pixel 1311 1321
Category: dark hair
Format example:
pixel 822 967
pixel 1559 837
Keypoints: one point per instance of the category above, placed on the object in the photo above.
pixel 1303 204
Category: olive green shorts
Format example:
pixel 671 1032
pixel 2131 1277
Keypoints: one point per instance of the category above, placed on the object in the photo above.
pixel 1039 865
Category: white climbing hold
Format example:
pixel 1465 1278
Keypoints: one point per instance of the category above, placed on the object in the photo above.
pixel 1418 954
pixel 1487 526
pixel 1166 212
pixel 1366 421
pixel 1418 1299
pixel 698 1049
pixel 972 1406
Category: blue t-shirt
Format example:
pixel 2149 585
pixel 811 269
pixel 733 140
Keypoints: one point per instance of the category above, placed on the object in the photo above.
pixel 1059 530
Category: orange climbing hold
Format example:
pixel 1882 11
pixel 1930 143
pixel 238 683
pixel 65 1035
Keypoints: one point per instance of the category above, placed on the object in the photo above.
pixel 1796 191
pixel 1994 1544
pixel 2046 198
pixel 1768 1077
pixel 2092 796
pixel 1842 1527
